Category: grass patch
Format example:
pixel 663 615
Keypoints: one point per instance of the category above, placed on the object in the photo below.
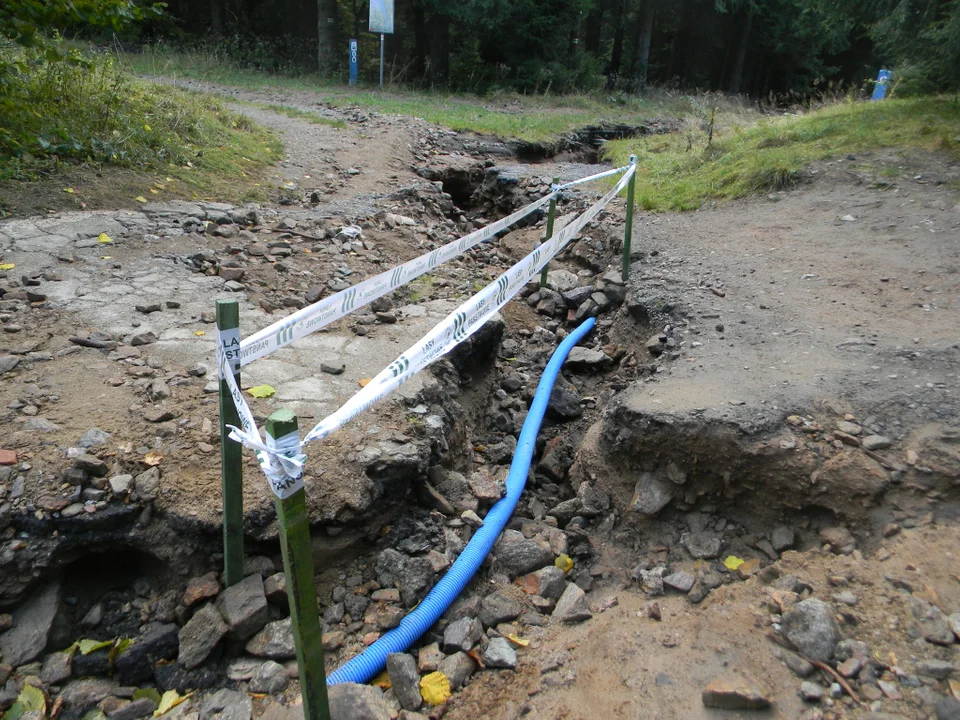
pixel 311 117
pixel 84 118
pixel 683 171
pixel 533 118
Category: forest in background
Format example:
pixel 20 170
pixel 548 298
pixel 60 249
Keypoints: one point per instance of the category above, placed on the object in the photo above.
pixel 784 48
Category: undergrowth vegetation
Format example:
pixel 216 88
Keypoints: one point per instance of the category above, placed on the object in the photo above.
pixel 682 171
pixel 89 110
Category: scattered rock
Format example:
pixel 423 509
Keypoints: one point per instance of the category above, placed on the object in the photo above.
pixel 271 678
pixel 274 641
pixel 200 636
pixel 681 581
pixel 57 668
pixel 734 693
pixel 498 607
pixel 499 654
pixel 572 605
pixel 516 555
pixel 783 538
pixel 244 607
pixel 32 622
pixel 876 442
pixel 810 626
pixel 200 588
pixel 462 634
pixel 227 705
pixel 405 679
pixel 349 701
pixel 458 668
pixel 811 691
pixel 651 494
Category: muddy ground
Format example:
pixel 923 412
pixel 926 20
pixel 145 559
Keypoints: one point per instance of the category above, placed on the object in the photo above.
pixel 778 382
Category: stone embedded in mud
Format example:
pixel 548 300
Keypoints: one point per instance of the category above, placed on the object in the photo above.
pixel 839 539
pixel 120 485
pixel 200 636
pixel 680 581
pixel 564 403
pixel 274 641
pixel 702 544
pixel 349 701
pixel 405 680
pixel 90 464
pixel 562 280
pixel 458 668
pixel 783 538
pixel 572 605
pixel 157 641
pixel 244 607
pixel 499 654
pixel 271 678
pixel 734 693
pixel 416 580
pixel 201 588
pixel 147 484
pixel 227 705
pixel 810 626
pixel 651 494
pixel 581 358
pixel 32 622
pixel 498 607
pixel 516 555
pixel 876 442
pixel 462 634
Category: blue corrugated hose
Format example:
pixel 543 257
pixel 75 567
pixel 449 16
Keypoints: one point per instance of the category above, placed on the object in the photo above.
pixel 371 661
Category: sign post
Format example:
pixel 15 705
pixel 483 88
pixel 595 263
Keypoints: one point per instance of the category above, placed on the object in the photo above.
pixel 381 21
pixel 231 453
pixel 880 87
pixel 354 61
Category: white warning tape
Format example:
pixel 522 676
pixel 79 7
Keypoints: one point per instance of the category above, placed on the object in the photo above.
pixel 598 176
pixel 322 313
pixel 461 323
pixel 282 460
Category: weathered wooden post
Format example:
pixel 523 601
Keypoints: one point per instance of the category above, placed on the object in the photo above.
pixel 231 459
pixel 628 228
pixel 301 588
pixel 550 218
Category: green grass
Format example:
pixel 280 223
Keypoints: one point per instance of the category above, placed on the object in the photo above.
pixel 312 117
pixel 680 172
pixel 533 118
pixel 90 112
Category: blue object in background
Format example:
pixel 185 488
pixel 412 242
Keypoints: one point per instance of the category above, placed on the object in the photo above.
pixel 354 60
pixel 880 89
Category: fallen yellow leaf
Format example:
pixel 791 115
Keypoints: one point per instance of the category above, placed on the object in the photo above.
pixel 199 333
pixel 104 238
pixel 169 700
pixel 954 687
pixel 140 198
pixel 262 391
pixel 146 127
pixel 517 640
pixel 732 562
pixel 435 688
pixel 69 190
pixel 364 382
pixel 382 681
pixel 8 266
pixel 564 562
pixel 154 191
pixel 153 458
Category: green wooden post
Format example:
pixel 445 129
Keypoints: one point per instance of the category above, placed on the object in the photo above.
pixel 628 228
pixel 301 588
pixel 231 458
pixel 550 218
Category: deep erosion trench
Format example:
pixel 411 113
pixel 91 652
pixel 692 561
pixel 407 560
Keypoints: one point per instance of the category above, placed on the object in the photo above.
pixel 711 414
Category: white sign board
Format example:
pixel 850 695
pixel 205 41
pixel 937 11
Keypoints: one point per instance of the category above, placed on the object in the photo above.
pixel 381 16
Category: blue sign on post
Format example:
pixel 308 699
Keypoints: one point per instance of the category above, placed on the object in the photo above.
pixel 354 61
pixel 880 88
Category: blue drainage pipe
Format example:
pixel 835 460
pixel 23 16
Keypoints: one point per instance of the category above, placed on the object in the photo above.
pixel 365 666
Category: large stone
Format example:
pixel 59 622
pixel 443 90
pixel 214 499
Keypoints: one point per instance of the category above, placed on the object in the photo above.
pixel 227 705
pixel 947 708
pixel 147 484
pixel 458 668
pixel 138 708
pixel 734 693
pixel 581 358
pixel 271 678
pixel 680 581
pixel 549 582
pixel 201 588
pixel 499 654
pixel 572 605
pixel 57 668
pixel 274 641
pixel 244 607
pixel 349 701
pixel 416 580
pixel 783 538
pixel 81 695
pixel 702 543
pixel 91 464
pixel 158 641
pixel 810 626
pixel 499 607
pixel 651 494
pixel 200 636
pixel 462 634
pixel 405 680
pixel 516 555
pixel 32 621
pixel 564 403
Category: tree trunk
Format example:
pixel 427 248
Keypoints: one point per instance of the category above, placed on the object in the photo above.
pixel 648 9
pixel 326 34
pixel 419 40
pixel 439 28
pixel 591 38
pixel 216 18
pixel 679 53
pixel 616 55
pixel 736 74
